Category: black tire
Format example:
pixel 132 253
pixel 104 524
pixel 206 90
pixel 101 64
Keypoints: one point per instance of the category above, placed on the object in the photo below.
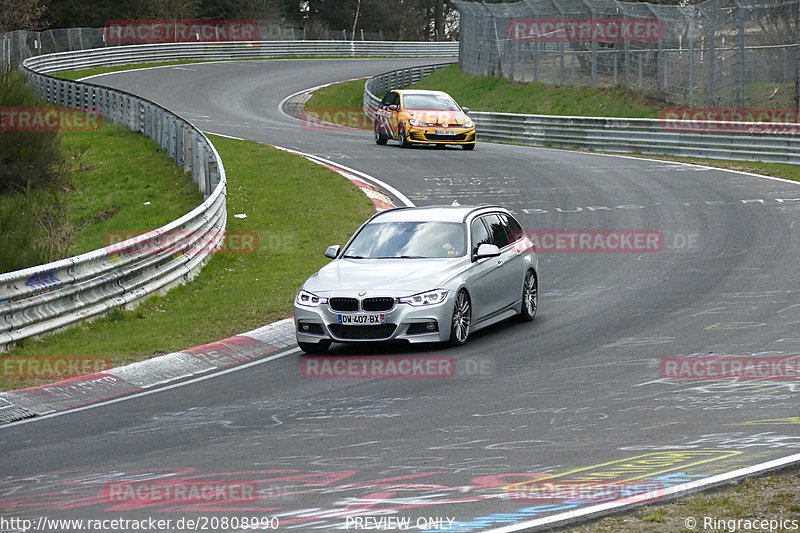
pixel 469 146
pixel 380 138
pixel 462 318
pixel 530 297
pixel 315 347
pixel 401 136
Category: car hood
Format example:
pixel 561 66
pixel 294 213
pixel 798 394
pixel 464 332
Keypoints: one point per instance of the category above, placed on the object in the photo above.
pixel 383 277
pixel 438 117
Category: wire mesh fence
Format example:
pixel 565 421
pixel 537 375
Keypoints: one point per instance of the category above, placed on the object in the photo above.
pixel 718 53
pixel 19 45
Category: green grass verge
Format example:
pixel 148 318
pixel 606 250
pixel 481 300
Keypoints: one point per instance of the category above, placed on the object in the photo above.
pixel 122 182
pixel 119 181
pixel 295 207
pixel 341 103
pixel 503 96
pixel 348 94
pixel 778 170
pixel 770 497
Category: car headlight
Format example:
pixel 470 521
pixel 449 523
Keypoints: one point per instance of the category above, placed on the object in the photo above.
pixel 425 298
pixel 468 124
pixel 417 123
pixel 308 299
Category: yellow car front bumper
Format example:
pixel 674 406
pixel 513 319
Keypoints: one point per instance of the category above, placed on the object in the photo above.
pixel 430 136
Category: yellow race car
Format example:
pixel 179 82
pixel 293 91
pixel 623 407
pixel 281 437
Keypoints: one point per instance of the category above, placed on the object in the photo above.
pixel 423 117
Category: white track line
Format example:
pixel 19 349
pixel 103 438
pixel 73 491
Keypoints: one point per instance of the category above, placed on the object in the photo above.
pixel 291 351
pixel 671 493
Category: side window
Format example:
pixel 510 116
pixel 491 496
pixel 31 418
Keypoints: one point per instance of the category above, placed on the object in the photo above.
pixel 497 229
pixel 386 99
pixel 480 235
pixel 395 99
pixel 515 231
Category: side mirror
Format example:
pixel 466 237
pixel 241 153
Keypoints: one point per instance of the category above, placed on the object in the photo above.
pixel 332 251
pixel 465 110
pixel 487 250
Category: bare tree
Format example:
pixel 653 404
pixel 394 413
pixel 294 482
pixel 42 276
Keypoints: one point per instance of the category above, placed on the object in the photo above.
pixel 173 9
pixel 355 19
pixel 20 15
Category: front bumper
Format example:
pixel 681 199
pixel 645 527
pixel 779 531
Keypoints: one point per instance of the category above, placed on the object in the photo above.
pixel 428 135
pixel 429 323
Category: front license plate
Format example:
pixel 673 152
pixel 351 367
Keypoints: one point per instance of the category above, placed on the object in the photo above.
pixel 445 132
pixel 362 319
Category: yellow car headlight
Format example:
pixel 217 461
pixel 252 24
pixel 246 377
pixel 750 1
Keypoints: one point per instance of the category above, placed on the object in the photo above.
pixel 417 123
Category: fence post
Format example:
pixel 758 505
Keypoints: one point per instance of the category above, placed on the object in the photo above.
pixel 627 60
pixel 712 64
pixel 691 64
pixel 797 53
pixel 740 70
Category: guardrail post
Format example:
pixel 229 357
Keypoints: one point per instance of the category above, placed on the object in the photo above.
pixel 171 139
pixel 198 168
pixel 159 128
pixel 163 141
pixel 188 150
pixel 179 151
pixel 213 172
pixel 147 129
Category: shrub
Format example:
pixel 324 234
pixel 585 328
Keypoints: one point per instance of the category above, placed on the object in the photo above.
pixel 28 159
pixel 34 221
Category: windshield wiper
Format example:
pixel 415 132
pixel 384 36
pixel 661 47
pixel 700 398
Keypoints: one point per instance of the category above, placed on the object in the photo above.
pixel 402 257
pixel 354 257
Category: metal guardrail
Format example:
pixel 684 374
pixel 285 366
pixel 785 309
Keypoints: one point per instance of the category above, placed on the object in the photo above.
pixel 121 55
pixel 50 297
pixel 739 141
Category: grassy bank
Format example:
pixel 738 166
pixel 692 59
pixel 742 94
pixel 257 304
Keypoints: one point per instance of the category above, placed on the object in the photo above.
pixel 122 182
pixel 118 181
pixel 501 95
pixel 295 207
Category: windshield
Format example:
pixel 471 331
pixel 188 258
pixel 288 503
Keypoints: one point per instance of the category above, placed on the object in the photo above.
pixel 388 240
pixel 437 102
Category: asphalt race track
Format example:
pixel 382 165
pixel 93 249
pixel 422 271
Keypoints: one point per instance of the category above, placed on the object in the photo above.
pixel 577 395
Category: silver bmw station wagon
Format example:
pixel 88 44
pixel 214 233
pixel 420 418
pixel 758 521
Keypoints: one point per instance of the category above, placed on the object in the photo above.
pixel 420 274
